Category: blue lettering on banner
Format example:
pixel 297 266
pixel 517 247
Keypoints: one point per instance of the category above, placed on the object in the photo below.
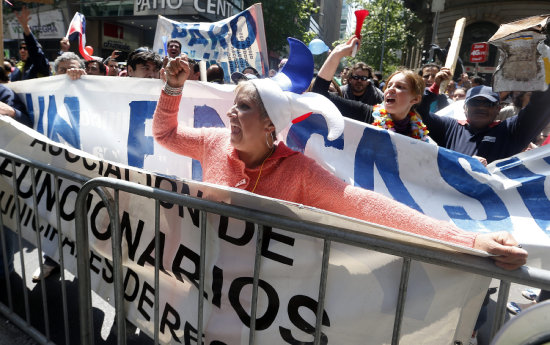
pixel 196 36
pixel 531 190
pixel 30 109
pixel 204 116
pixel 251 29
pixel 498 217
pixel 179 30
pixel 300 132
pixel 140 145
pixel 218 37
pixel 368 154
pixel 226 71
pixel 238 64
pixel 57 127
pixel 41 107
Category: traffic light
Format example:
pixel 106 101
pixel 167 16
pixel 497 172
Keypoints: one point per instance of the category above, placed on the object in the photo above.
pixel 425 57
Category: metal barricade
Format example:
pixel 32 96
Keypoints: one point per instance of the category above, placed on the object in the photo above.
pixel 20 170
pixel 482 266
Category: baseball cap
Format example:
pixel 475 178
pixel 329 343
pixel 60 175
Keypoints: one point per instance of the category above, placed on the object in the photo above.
pixel 482 91
pixel 238 76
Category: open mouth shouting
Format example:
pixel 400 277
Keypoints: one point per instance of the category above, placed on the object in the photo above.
pixel 390 100
pixel 235 129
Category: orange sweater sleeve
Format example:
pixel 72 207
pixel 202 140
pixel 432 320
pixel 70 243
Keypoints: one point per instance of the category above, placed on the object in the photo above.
pixel 328 192
pixel 184 140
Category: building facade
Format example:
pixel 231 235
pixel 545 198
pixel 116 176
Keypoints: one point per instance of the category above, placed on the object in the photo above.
pixel 483 18
pixel 326 22
pixel 123 25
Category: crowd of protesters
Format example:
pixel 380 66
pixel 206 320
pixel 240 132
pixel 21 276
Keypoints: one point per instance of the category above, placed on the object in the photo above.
pixel 359 92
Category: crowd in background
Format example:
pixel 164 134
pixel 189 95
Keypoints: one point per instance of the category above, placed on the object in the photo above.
pixel 357 88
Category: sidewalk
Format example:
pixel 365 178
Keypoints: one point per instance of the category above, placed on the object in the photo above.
pixel 11 334
pixel 103 313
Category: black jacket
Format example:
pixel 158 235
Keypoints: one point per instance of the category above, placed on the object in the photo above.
pixel 37 64
pixel 8 96
pixel 372 95
pixel 498 141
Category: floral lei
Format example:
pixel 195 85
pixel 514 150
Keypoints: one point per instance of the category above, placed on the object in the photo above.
pixel 383 120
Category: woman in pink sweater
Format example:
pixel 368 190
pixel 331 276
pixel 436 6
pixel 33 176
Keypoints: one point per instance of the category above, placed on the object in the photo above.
pixel 248 157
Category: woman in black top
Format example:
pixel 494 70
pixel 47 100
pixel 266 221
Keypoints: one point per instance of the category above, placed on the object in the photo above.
pixel 404 89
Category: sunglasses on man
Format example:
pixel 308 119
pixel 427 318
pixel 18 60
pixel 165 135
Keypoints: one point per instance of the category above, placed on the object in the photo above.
pixel 359 77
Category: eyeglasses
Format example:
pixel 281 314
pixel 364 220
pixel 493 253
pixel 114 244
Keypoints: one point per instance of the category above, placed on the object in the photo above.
pixel 359 77
pixel 481 102
pixel 22 48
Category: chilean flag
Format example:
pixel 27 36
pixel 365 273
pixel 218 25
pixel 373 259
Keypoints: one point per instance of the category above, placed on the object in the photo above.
pixel 77 30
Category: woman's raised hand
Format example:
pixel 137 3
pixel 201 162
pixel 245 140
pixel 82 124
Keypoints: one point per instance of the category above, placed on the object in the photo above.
pixel 443 74
pixel 346 49
pixel 176 71
pixel 331 63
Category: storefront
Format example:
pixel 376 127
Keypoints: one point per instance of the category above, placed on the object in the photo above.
pixel 122 25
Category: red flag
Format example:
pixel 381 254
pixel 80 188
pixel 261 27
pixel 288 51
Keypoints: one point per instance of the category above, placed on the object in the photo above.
pixel 77 30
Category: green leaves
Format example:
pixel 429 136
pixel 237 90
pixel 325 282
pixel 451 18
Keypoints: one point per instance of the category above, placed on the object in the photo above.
pixel 397 33
pixel 286 18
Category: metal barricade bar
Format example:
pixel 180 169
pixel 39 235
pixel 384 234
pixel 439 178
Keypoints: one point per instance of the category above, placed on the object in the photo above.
pixel 483 266
pixel 55 174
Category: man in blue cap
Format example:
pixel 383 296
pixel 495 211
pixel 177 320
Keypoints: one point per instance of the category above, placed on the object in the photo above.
pixel 480 135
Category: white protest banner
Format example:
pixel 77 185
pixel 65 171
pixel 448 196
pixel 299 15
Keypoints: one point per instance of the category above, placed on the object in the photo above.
pixel 47 24
pixel 233 43
pixel 508 195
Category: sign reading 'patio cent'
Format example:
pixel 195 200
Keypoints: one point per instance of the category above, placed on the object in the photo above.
pixel 217 9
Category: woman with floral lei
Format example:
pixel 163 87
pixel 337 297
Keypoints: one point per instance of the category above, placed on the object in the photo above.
pixel 404 89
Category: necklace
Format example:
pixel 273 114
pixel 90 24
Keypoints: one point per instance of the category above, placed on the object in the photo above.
pixel 262 166
pixel 383 120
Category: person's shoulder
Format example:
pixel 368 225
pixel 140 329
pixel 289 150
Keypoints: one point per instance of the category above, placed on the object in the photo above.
pixel 6 92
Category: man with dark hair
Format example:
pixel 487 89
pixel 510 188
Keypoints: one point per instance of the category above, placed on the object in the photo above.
pixel 252 70
pixel 360 86
pixel 34 63
pixel 112 66
pixel 174 48
pixel 428 73
pixel 477 81
pixel 144 63
pixel 381 82
pixel 95 67
pixel 195 73
pixel 215 74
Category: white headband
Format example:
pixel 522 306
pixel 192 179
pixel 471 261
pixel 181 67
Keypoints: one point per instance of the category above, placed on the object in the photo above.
pixel 285 106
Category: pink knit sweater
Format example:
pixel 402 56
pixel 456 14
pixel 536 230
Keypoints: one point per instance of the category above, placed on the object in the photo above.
pixel 291 176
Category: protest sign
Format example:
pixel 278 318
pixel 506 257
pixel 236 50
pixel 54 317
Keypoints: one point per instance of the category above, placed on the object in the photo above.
pixel 233 43
pixel 47 24
pixel 524 60
pixel 507 195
